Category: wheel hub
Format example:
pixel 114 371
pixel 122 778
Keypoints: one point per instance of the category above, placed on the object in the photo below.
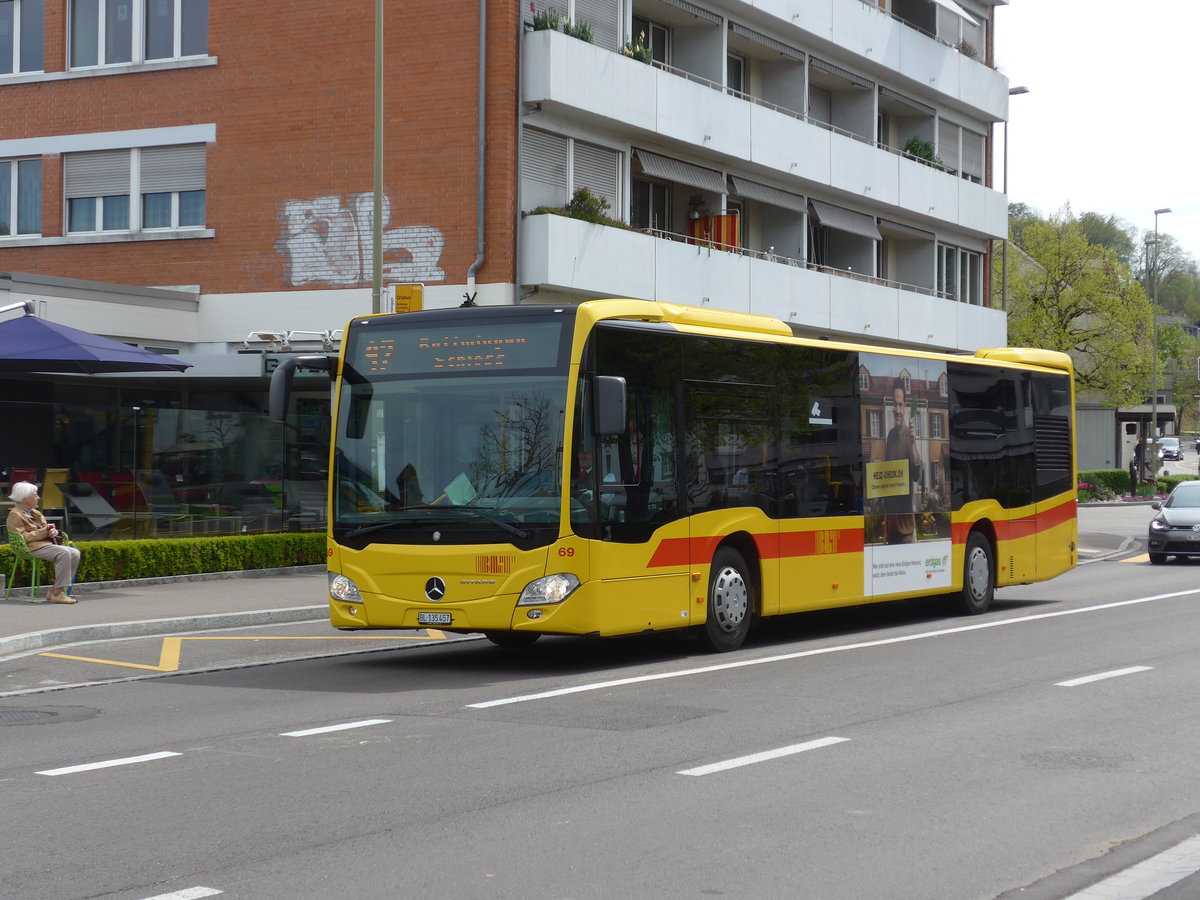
pixel 731 599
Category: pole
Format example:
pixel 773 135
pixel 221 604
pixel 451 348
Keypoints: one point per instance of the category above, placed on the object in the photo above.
pixel 377 208
pixel 1154 344
pixel 1012 92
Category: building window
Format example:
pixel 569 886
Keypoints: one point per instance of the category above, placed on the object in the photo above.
pixel 960 274
pixel 115 32
pixel 875 420
pixel 22 24
pixel 554 167
pixel 170 182
pixel 655 37
pixel 20 197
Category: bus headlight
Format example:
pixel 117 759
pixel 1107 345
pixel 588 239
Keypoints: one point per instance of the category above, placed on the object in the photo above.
pixel 342 588
pixel 551 589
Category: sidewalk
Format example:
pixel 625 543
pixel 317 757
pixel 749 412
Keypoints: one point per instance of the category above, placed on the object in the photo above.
pixel 149 606
pixel 117 609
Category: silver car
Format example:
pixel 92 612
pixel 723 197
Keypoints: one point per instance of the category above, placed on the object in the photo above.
pixel 1175 530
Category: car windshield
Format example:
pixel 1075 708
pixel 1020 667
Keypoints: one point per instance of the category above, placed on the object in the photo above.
pixel 1169 443
pixel 1185 495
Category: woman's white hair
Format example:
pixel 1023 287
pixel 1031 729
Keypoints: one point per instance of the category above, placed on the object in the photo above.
pixel 21 490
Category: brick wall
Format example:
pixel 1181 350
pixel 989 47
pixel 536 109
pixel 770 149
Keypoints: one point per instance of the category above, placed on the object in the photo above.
pixel 289 178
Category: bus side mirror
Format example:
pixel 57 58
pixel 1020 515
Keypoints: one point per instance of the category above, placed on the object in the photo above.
pixel 608 405
pixel 281 381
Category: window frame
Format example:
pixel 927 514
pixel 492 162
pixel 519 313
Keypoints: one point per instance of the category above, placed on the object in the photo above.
pixel 22 40
pixel 14 197
pixel 139 33
pixel 136 199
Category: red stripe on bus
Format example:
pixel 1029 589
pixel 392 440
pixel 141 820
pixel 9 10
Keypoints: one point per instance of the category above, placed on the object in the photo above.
pixel 789 544
pixel 1023 526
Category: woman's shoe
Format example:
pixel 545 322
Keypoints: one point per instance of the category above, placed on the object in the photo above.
pixel 58 596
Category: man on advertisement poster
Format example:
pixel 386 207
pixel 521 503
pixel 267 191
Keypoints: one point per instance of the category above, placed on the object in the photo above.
pixel 900 521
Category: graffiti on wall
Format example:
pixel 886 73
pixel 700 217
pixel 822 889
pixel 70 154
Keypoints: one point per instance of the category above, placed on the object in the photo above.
pixel 326 240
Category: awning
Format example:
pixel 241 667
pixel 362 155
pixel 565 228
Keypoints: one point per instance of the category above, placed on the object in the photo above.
pixel 676 170
pixel 956 9
pixel 904 232
pixel 764 193
pixel 844 220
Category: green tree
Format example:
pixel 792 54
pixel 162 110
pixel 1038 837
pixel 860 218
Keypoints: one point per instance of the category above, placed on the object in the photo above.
pixel 1070 295
pixel 1108 231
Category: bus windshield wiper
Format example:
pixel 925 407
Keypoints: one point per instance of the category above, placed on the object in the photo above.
pixel 477 510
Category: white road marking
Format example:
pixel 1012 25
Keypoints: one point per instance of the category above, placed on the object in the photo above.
pixel 863 645
pixel 328 728
pixel 762 757
pixel 1148 877
pixel 194 893
pixel 1100 676
pixel 108 763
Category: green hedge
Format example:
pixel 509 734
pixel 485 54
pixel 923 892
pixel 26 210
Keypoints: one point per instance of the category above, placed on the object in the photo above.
pixel 119 560
pixel 1111 484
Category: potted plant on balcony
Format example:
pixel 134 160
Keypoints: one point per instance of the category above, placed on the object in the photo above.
pixel 548 19
pixel 638 49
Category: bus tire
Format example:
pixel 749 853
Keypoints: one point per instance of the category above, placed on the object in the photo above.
pixel 730 602
pixel 514 639
pixel 979 579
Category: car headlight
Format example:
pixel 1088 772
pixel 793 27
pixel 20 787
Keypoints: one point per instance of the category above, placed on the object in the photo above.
pixel 551 589
pixel 343 589
pixel 1159 525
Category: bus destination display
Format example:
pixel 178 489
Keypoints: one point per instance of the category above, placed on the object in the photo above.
pixel 531 345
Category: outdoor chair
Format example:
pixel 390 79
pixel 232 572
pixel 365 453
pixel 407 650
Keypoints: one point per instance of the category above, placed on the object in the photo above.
pixel 21 552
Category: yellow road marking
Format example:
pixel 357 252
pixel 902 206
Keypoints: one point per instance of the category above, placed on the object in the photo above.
pixel 1144 557
pixel 168 658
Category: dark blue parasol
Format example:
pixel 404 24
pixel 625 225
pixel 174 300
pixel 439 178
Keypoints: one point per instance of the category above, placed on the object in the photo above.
pixel 30 344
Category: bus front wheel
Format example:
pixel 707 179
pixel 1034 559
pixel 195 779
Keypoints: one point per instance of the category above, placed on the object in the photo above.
pixel 978 576
pixel 730 602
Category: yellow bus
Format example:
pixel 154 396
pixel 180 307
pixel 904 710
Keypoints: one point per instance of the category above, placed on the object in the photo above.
pixel 626 466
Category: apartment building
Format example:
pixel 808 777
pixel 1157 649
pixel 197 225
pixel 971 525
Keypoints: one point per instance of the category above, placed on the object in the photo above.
pixel 197 178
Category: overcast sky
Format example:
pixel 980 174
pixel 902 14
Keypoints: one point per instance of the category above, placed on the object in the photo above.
pixel 1110 123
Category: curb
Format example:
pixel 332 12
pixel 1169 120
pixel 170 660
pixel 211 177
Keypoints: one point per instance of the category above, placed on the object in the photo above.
pixel 57 637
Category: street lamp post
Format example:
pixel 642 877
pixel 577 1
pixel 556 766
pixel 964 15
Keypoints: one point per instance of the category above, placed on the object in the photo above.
pixel 1153 448
pixel 1012 92
pixel 377 173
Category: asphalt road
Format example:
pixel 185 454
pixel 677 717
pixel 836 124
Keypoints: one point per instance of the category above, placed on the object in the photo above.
pixel 882 752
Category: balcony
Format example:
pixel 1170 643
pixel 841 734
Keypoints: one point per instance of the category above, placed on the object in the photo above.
pixel 565 76
pixel 574 257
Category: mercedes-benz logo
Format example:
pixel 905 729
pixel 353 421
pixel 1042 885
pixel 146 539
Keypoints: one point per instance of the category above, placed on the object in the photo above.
pixel 435 589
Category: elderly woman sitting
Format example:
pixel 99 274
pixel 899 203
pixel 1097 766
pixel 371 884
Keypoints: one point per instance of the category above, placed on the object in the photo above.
pixel 42 539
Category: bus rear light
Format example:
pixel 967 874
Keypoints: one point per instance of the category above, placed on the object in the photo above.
pixel 548 590
pixel 343 589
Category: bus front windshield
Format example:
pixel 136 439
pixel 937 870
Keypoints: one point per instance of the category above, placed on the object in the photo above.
pixel 450 456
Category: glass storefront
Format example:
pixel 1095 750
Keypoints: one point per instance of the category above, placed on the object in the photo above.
pixel 166 463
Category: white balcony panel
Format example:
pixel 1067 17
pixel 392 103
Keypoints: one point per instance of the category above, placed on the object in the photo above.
pixel 787 144
pixel 980 327
pixel 864 171
pixel 863 309
pixel 697 114
pixel 797 295
pixel 702 276
pixel 563 71
pixel 984 208
pixel 925 319
pixel 578 258
pixel 867 31
pixel 572 255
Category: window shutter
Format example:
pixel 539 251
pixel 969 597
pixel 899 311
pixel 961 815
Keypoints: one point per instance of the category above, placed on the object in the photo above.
pixel 173 169
pixel 596 170
pixel 100 173
pixel 604 17
pixel 972 154
pixel 543 170
pixel 947 148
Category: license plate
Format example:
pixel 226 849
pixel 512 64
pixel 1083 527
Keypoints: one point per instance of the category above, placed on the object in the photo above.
pixel 1194 536
pixel 433 618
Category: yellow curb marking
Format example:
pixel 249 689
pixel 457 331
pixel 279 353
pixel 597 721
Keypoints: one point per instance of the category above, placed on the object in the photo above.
pixel 168 659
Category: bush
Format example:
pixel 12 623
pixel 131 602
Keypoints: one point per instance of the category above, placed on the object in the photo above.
pixel 583 205
pixel 119 560
pixel 1105 484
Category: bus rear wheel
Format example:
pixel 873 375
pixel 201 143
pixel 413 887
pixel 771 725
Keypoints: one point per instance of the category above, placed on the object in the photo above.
pixel 730 602
pixel 512 638
pixel 978 576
